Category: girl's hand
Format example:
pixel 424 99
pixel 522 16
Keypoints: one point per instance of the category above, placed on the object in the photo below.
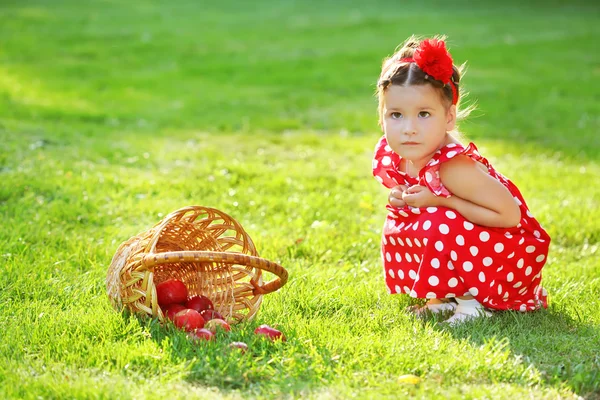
pixel 395 197
pixel 420 196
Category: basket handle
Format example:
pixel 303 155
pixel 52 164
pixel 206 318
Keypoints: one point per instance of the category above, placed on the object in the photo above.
pixel 151 260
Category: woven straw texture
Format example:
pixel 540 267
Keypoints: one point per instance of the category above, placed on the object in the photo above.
pixel 203 247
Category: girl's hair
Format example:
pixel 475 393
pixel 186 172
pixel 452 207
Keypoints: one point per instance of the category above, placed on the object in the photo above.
pixel 402 73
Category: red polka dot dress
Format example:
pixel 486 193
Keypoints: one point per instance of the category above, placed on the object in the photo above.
pixel 434 252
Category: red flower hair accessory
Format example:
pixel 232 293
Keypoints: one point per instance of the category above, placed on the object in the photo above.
pixel 433 59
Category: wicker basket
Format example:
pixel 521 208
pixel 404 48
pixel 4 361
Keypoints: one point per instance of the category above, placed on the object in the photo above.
pixel 204 248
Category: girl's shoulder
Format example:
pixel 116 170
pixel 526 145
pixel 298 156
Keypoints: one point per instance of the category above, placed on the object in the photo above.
pixel 453 156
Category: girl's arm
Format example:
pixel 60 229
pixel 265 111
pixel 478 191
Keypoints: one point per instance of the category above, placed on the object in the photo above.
pixel 476 195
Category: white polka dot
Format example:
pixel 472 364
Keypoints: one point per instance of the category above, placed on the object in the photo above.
pixel 523 308
pixel 415 210
pixel 508 235
pixel 408 258
pixel 450 154
pixel 540 258
pixel 388 148
pixel 400 242
pixel 528 271
pixel 537 234
pixel 430 295
pixel 413 293
pixel 412 274
pixel 468 226
pixel 386 160
pixel 492 282
pixel 403 213
pixel 431 210
pixel 433 280
pixel 450 265
pixel 406 289
pixel 474 250
pixel 401 225
pixel 417 242
pixel 511 255
pixel 444 229
pixel 398 257
pixel 416 226
pixel 474 291
pixel 499 289
pixel 428 177
pixel 481 277
pixel 510 277
pixel 388 257
pixel 408 242
pixel 391 272
pixel 384 240
pixel 487 261
pixel 426 225
pixel 439 246
pixel 417 259
pixel 529 214
pixel 520 263
pixel 452 282
pixel 530 249
pixel 380 179
pixel 468 266
pixel 400 274
pixel 517 285
pixel 453 255
pixel 397 288
pixel 500 269
pixel 449 295
pixel 450 214
pixel 425 240
pixel 498 247
pixel 522 240
pixel 460 240
pixel 435 263
pixel 407 226
pixel 484 236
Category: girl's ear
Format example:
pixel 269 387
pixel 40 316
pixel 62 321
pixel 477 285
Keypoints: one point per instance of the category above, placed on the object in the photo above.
pixel 451 118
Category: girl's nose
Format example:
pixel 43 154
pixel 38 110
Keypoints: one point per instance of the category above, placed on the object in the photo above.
pixel 409 128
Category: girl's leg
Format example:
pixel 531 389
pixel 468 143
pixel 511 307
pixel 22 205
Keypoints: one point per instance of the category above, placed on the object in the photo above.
pixel 467 309
pixel 434 306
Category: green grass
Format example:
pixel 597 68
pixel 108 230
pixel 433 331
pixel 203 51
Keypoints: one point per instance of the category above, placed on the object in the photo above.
pixel 113 114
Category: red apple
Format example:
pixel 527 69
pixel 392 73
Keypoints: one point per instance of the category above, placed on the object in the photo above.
pixel 214 324
pixel 239 345
pixel 211 314
pixel 271 333
pixel 188 320
pixel 201 334
pixel 200 303
pixel 173 309
pixel 171 291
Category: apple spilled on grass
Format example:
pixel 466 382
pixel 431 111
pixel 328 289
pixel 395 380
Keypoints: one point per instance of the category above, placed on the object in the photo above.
pixel 197 316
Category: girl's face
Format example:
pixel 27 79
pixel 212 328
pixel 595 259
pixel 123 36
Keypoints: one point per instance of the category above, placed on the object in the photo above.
pixel 416 122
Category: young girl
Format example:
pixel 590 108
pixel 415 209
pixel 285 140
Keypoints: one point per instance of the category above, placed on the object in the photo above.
pixel 457 229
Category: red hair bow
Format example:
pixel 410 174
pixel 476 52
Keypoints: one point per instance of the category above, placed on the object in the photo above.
pixel 433 59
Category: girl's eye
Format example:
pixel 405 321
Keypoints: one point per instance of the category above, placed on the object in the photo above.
pixel 424 114
pixel 396 115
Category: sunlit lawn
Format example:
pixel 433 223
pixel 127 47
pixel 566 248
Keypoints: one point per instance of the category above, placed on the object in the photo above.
pixel 113 114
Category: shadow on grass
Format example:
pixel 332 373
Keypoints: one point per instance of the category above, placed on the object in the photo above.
pixel 562 349
pixel 267 368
